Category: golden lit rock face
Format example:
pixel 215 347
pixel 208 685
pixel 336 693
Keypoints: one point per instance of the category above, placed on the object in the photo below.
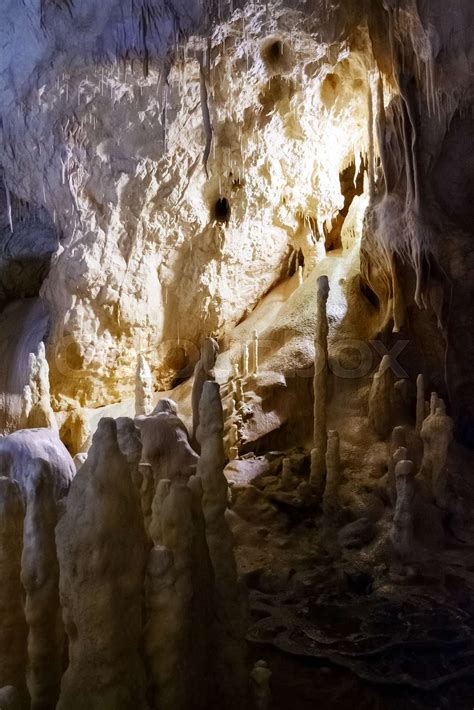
pixel 183 192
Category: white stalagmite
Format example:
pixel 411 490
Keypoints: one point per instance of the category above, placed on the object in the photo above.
pixel 380 415
pixel 320 386
pixel 230 603
pixel 143 387
pixel 255 358
pixel 420 403
pixel 36 404
pixel 13 629
pixel 245 360
pixel 401 533
pixel 101 551
pixel 40 578
pixel 333 474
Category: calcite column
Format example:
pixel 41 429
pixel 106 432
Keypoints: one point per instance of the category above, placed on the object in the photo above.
pixel 230 603
pixel 255 353
pixel 101 550
pixel 40 578
pixel 13 629
pixel 320 386
pixel 401 533
pixel 380 414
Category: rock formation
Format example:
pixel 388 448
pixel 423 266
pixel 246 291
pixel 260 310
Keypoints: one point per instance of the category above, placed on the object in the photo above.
pixel 101 551
pixel 229 601
pixel 203 371
pixel 437 434
pixel 13 629
pixel 320 385
pixel 37 410
pixel 20 448
pixel 166 446
pixel 333 475
pixel 380 415
pixel 40 579
pixel 401 534
pixel 143 387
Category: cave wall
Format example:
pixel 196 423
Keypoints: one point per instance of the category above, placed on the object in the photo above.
pixel 136 134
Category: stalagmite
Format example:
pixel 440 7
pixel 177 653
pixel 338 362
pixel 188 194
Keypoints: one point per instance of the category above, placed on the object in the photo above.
pixel 380 416
pixel 420 403
pixel 255 358
pixel 333 474
pixel 401 534
pixel 434 403
pixel 166 446
pixel 230 606
pixel 300 276
pixel 101 550
pixel 143 387
pixel 320 386
pixel 437 434
pixel 245 360
pixel 398 440
pixel 163 628
pixel 36 395
pixel 40 578
pixel 13 629
pixel 260 686
pixel 179 593
pixel 203 371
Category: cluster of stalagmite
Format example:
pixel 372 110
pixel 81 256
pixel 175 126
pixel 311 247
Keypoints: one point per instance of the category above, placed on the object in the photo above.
pixel 36 401
pixel 144 520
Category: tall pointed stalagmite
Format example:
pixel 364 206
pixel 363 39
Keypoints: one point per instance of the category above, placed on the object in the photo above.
pixel 320 386
pixel 230 602
pixel 40 577
pixel 380 414
pixel 203 371
pixel 13 629
pixel 101 550
pixel 420 403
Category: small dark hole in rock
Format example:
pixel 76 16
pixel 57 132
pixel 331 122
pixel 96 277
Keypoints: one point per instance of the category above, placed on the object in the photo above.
pixel 222 210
